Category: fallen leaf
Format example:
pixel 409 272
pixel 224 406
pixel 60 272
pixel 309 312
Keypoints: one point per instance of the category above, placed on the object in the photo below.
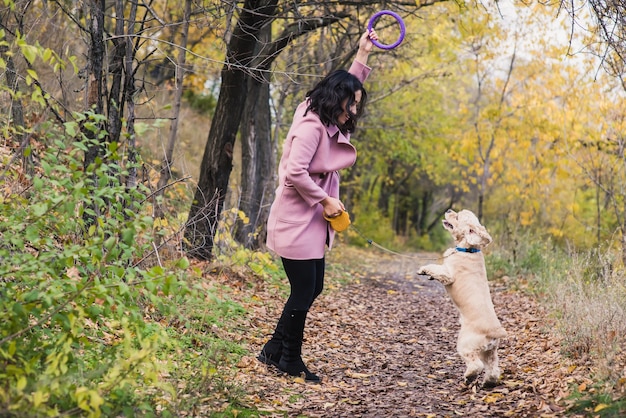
pixel 493 397
pixel 600 407
pixel 355 375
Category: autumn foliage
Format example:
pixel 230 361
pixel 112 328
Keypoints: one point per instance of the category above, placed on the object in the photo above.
pixel 484 106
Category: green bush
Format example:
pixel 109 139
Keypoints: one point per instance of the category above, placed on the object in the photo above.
pixel 74 290
pixel 537 260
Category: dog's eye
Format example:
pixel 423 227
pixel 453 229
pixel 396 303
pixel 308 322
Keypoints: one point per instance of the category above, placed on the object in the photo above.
pixel 471 231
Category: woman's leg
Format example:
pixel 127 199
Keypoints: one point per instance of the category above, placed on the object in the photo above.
pixel 306 278
pixel 319 278
pixel 272 350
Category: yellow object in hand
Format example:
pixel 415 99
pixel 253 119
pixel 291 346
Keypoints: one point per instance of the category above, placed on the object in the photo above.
pixel 340 222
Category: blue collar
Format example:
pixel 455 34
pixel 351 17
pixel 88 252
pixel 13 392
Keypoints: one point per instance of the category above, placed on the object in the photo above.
pixel 467 250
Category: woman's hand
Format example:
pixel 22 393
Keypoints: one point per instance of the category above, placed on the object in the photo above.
pixel 332 207
pixel 365 43
pixel 365 46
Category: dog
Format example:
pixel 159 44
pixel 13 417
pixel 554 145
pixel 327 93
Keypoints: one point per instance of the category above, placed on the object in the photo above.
pixel 464 276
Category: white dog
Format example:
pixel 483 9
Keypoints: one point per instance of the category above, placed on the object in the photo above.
pixel 464 276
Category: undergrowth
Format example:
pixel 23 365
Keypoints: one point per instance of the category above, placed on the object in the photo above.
pixel 586 294
pixel 93 321
pixel 75 293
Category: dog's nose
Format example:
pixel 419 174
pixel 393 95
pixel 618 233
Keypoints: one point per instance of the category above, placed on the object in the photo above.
pixel 449 210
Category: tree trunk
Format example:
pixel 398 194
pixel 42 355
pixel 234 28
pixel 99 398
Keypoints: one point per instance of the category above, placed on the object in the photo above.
pixel 217 161
pixel 166 168
pixel 17 117
pixel 258 163
pixel 95 81
pixel 115 105
pixel 129 95
pixel 257 157
pixel 17 108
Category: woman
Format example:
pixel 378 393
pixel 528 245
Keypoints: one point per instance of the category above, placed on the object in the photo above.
pixel 316 147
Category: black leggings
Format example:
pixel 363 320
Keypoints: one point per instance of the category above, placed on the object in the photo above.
pixel 306 278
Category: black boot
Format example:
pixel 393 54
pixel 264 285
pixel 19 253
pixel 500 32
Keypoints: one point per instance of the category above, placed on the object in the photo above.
pixel 272 350
pixel 291 358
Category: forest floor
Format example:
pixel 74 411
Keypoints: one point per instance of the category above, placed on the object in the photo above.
pixel 384 343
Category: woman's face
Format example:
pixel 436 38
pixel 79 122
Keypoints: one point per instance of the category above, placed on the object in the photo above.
pixel 343 118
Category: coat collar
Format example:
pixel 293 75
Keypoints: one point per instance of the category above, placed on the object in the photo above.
pixel 334 130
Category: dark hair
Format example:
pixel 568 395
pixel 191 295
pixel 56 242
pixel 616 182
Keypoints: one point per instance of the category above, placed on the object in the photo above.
pixel 326 97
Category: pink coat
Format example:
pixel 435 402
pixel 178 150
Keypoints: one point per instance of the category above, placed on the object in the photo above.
pixel 307 173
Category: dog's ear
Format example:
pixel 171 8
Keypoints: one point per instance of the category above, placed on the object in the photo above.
pixel 478 235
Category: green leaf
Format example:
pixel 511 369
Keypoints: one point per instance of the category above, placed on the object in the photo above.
pixel 183 263
pixel 39 209
pixel 128 236
pixel 33 74
pixel 109 243
pixel 29 52
pixel 47 54
pixel 70 128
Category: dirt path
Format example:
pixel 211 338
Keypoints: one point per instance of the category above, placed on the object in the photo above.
pixel 385 346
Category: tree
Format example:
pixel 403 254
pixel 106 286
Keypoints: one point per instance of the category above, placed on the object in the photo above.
pixel 217 162
pixel 605 20
pixel 488 116
pixel 166 168
pixel 608 27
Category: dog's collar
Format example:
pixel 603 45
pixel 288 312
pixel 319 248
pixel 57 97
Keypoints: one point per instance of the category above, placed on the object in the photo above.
pixel 467 250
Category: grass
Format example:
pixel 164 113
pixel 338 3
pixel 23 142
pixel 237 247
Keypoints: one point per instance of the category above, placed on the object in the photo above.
pixel 207 343
pixel 586 293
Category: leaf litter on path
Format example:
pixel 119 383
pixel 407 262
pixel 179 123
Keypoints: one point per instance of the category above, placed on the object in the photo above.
pixel 385 346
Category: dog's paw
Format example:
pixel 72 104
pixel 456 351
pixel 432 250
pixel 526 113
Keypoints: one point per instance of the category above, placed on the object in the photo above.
pixel 424 272
pixel 470 379
pixel 490 382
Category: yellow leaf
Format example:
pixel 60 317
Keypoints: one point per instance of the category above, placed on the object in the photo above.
pixel 493 397
pixel 582 387
pixel 32 74
pixel 39 398
pixel 357 375
pixel 600 407
pixel 21 383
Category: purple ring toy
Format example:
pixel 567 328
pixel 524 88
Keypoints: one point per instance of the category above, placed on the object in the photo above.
pixel 396 16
